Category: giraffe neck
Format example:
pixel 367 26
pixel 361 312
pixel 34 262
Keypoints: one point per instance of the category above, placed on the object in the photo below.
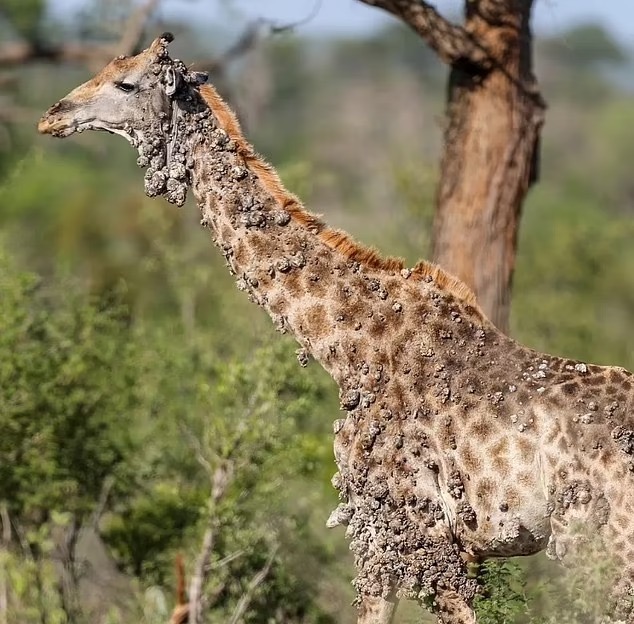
pixel 342 302
pixel 278 260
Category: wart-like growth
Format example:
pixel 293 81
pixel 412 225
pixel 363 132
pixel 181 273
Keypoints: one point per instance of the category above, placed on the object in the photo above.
pixel 457 442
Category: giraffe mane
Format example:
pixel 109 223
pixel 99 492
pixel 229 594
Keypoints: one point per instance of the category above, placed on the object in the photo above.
pixel 446 281
pixel 333 238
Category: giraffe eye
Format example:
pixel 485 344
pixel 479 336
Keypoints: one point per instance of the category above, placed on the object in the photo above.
pixel 126 87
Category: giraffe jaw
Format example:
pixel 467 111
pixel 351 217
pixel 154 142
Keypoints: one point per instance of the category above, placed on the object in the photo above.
pixel 133 137
pixel 62 129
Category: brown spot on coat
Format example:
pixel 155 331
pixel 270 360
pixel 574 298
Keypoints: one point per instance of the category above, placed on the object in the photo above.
pixel 570 388
pixel 526 448
pixel 335 239
pixel 481 429
pixel 316 321
pixel 470 459
pixel 485 488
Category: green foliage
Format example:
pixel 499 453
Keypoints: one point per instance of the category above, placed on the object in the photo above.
pixel 34 588
pixel 392 48
pixel 585 44
pixel 255 413
pixel 578 593
pixel 415 185
pixel 287 68
pixel 67 408
pixel 580 275
pixel 143 532
pixel 251 415
pixel 24 15
pixel 66 395
pixel 83 407
pixel 504 596
pixel 129 403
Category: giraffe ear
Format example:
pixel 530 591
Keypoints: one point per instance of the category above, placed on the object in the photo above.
pixel 173 81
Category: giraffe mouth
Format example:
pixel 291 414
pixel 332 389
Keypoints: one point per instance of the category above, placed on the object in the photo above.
pixel 56 127
pixel 62 128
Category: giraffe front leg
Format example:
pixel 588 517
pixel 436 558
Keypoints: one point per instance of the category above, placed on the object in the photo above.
pixel 376 610
pixel 452 608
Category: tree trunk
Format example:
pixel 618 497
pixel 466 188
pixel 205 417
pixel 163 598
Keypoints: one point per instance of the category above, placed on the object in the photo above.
pixel 491 147
pixel 490 157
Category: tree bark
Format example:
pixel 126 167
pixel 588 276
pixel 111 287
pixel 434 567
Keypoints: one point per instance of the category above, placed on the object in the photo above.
pixel 491 144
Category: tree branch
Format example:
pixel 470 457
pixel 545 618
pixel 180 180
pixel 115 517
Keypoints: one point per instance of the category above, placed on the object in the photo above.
pixel 20 52
pixel 219 483
pixel 452 43
pixel 100 507
pixel 180 614
pixel 191 611
pixel 134 29
pixel 245 599
pixel 247 41
pixel 200 574
pixel 69 578
pixel 94 56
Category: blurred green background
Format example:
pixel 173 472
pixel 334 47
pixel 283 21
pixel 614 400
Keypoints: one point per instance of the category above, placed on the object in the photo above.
pixel 133 373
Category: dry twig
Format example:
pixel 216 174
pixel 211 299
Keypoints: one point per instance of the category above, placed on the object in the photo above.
pixel 220 480
pixel 245 599
pixel 91 55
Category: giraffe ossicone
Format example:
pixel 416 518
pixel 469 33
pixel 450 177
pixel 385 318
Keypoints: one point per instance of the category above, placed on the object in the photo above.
pixel 458 443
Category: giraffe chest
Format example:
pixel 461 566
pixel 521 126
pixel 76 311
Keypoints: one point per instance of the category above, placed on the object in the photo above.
pixel 498 491
pixel 501 514
pixel 489 507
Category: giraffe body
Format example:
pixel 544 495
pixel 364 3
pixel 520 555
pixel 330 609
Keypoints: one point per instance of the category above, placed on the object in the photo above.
pixel 456 441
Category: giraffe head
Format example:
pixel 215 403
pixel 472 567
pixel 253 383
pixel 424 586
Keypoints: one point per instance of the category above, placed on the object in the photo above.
pixel 144 98
pixel 125 97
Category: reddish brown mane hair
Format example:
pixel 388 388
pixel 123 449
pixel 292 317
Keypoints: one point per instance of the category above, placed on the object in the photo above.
pixel 335 239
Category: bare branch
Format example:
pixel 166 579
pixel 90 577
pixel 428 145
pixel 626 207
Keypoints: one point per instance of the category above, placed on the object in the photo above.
pixel 196 446
pixel 254 33
pixel 135 28
pixel 451 43
pixel 245 599
pixel 94 56
pixel 69 578
pixel 180 614
pixel 27 551
pixel 280 28
pixel 247 41
pixel 20 52
pixel 200 575
pixel 220 481
pixel 100 508
pixel 228 559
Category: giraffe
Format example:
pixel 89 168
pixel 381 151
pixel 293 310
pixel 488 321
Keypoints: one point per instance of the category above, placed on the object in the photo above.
pixel 458 443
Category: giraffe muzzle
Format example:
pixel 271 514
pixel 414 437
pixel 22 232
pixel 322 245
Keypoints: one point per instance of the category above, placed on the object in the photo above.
pixel 56 128
pixel 58 121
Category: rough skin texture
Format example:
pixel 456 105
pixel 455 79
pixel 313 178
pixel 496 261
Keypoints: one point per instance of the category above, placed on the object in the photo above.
pixel 457 442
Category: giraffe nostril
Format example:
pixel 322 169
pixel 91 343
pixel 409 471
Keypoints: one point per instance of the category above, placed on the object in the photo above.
pixel 63 106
